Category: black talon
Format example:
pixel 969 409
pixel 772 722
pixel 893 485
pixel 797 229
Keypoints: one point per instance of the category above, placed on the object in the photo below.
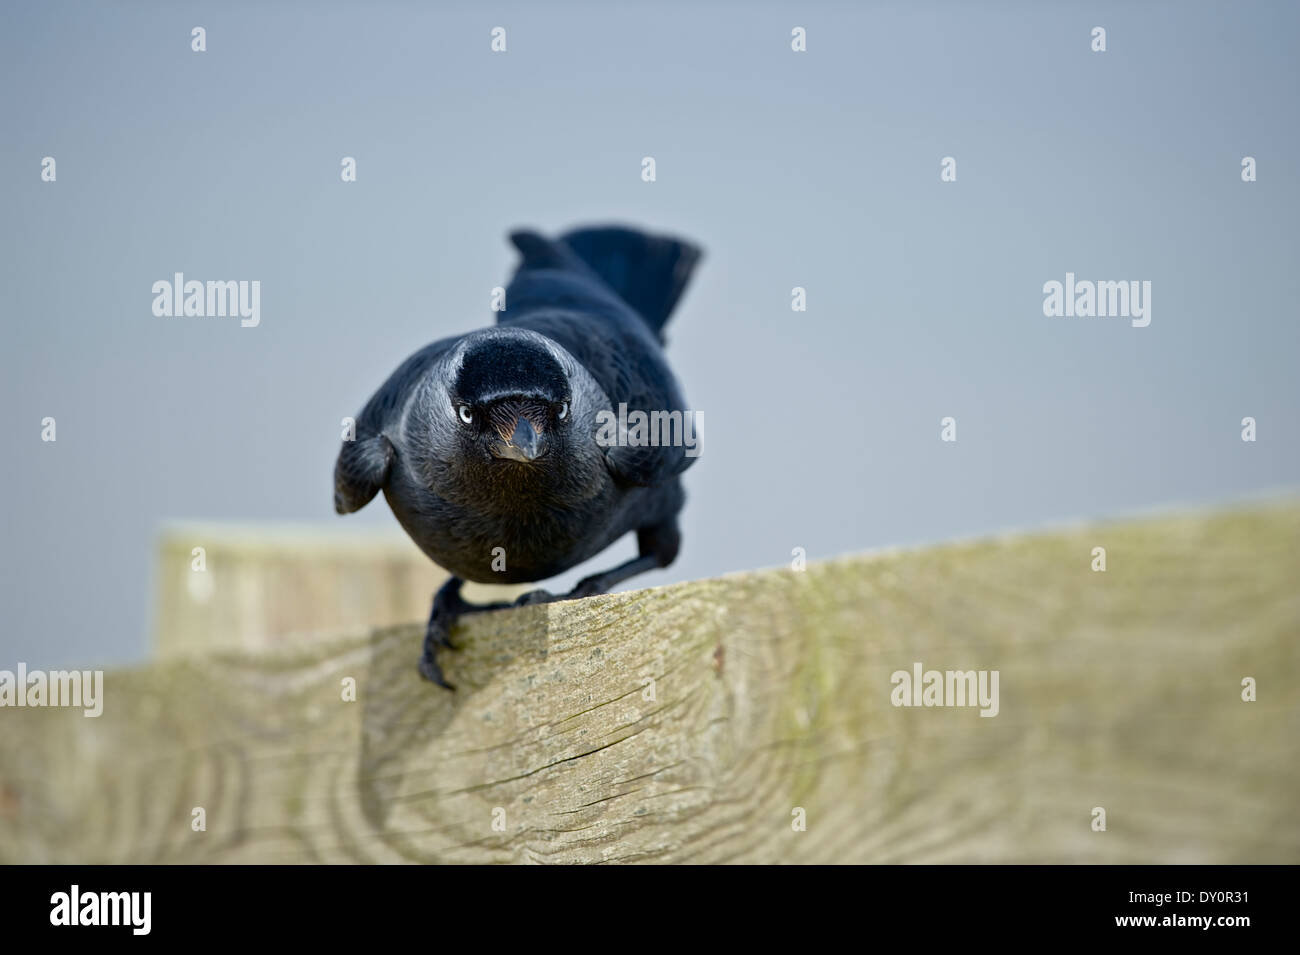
pixel 534 597
pixel 430 670
pixel 448 605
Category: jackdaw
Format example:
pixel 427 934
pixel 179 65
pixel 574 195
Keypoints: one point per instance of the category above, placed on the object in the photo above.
pixel 494 449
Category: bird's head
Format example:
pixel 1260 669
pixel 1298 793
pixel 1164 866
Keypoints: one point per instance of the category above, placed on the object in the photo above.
pixel 507 418
pixel 512 400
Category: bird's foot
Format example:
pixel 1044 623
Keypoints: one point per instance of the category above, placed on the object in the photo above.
pixel 430 670
pixel 436 636
pixel 536 597
pixel 587 587
pixel 448 606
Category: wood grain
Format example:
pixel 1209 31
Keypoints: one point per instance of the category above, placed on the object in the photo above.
pixel 771 692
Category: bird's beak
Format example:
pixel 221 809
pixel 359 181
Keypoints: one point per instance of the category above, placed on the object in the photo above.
pixel 525 443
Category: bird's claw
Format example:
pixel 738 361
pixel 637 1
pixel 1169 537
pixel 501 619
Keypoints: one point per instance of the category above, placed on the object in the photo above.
pixel 587 588
pixel 438 634
pixel 430 670
pixel 443 638
pixel 534 597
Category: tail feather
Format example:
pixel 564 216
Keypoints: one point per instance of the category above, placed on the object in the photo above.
pixel 648 272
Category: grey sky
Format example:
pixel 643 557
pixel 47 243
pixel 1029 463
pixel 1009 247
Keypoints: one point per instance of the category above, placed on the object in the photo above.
pixel 820 169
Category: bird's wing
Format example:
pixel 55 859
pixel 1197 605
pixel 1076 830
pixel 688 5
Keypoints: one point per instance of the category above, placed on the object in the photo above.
pixel 646 466
pixel 363 464
pixel 360 471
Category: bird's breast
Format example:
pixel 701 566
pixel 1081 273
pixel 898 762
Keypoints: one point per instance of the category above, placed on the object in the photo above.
pixel 511 541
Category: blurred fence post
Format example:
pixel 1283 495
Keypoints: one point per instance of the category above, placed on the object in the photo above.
pixel 253 586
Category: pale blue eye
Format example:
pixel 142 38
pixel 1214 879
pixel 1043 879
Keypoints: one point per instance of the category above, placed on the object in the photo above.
pixel 466 415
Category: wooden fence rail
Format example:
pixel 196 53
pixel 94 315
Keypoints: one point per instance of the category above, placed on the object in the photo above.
pixel 703 722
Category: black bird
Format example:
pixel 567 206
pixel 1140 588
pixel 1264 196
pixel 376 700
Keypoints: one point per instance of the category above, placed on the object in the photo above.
pixel 494 448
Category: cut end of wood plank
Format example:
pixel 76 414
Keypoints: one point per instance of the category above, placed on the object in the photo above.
pixel 224 587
